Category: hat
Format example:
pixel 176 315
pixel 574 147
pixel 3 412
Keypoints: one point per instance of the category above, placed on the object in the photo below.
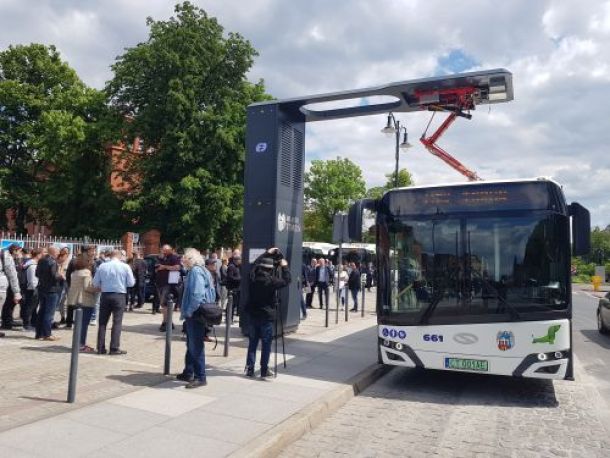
pixel 210 261
pixel 267 263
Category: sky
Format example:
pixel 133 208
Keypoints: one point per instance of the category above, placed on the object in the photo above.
pixel 558 51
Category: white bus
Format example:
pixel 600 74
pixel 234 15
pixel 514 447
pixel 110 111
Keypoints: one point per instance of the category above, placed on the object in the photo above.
pixel 476 277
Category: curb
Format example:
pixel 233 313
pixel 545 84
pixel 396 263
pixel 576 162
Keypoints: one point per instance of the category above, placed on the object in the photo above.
pixel 272 442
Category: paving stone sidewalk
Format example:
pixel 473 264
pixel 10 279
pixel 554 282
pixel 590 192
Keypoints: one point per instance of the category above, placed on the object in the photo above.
pixel 133 410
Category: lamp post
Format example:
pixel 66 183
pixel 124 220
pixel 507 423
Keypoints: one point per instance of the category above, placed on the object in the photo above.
pixel 395 128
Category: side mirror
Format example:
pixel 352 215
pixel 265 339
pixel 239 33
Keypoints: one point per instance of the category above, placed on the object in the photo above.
pixel 581 229
pixel 354 218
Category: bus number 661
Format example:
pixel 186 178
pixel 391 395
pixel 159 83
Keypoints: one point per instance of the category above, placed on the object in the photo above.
pixel 433 338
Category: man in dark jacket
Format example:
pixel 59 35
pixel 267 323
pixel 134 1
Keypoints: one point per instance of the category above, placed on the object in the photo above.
pixel 50 283
pixel 310 282
pixel 139 267
pixel 234 281
pixel 262 306
pixel 353 284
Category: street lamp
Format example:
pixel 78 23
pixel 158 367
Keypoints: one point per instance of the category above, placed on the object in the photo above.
pixel 393 127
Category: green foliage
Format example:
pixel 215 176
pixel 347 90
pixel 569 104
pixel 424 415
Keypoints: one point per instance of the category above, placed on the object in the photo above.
pixel 51 145
pixel 186 93
pixel 404 179
pixel 330 186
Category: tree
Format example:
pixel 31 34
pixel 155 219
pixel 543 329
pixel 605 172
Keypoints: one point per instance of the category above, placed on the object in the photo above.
pixel 405 179
pixel 330 186
pixel 51 146
pixel 184 92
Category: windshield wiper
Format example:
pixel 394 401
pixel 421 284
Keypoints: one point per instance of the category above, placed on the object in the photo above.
pixel 513 310
pixel 430 309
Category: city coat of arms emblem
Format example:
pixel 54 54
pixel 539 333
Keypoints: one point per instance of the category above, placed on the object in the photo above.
pixel 506 340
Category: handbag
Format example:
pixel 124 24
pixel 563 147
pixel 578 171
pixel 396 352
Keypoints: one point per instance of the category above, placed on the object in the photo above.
pixel 209 313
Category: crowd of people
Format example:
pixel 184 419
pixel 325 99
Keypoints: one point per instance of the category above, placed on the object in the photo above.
pixel 320 275
pixel 51 281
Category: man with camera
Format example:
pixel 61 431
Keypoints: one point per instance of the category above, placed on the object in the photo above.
pixel 270 272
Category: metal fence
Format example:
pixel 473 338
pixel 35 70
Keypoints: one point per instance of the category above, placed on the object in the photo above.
pixel 40 240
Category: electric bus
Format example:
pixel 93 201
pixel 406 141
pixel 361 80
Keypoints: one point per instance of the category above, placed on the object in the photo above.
pixel 475 277
pixel 360 253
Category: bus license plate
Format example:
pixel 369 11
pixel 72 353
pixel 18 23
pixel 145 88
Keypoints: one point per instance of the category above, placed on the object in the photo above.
pixel 460 364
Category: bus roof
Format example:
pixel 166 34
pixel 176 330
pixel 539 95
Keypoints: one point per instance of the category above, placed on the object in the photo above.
pixel 478 183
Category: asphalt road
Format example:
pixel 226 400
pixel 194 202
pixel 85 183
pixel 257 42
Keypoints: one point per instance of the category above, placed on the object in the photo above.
pixel 590 347
pixel 414 413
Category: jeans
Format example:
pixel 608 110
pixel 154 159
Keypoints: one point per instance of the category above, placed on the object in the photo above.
pixel 194 359
pixel 29 306
pixel 355 297
pixel 322 287
pixel 236 295
pixel 8 308
pixel 87 313
pixel 263 330
pixel 46 313
pixel 111 304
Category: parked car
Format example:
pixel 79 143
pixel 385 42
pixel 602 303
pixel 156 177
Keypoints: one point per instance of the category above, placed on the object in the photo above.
pixel 603 314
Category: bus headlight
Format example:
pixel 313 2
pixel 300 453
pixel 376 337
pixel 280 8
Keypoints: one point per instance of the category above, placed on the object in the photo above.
pixel 398 346
pixel 386 343
pixel 558 355
pixel 542 356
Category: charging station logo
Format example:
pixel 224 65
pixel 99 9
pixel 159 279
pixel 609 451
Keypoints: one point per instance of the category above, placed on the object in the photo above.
pixel 261 147
pixel 281 222
pixel 288 223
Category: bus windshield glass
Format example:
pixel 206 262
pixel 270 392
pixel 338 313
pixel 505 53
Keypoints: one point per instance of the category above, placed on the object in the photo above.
pixel 476 268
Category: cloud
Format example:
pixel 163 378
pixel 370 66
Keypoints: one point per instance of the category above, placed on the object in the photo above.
pixel 558 52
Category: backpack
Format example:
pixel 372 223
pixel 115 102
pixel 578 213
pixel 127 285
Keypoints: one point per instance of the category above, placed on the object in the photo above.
pixel 22 276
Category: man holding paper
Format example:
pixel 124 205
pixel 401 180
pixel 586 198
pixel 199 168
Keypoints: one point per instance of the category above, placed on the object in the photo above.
pixel 167 279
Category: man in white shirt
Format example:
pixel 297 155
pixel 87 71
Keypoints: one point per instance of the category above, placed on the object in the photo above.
pixel 112 278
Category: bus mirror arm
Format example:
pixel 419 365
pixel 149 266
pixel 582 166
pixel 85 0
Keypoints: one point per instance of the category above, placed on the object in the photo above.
pixel 354 218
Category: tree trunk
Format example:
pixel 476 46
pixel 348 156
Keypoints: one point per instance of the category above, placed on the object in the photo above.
pixel 20 218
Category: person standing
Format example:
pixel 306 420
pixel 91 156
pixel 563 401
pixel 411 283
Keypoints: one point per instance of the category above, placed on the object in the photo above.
pixel 167 280
pixel 9 281
pixel 199 289
pixel 31 291
pixel 353 284
pixel 223 283
pixel 304 285
pixel 262 306
pixel 112 279
pixel 82 295
pixel 234 280
pixel 323 277
pixel 139 271
pixel 311 282
pixel 63 263
pixel 49 290
pixel 11 260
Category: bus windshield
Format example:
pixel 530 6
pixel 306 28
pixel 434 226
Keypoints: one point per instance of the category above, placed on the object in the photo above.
pixel 476 268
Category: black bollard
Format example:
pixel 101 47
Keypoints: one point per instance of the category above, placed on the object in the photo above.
pixel 78 325
pixel 228 321
pixel 169 322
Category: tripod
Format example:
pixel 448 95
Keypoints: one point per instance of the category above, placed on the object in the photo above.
pixel 278 313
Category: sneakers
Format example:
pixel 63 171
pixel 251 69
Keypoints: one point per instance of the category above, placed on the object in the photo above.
pixel 196 384
pixel 117 352
pixel 267 374
pixel 184 378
